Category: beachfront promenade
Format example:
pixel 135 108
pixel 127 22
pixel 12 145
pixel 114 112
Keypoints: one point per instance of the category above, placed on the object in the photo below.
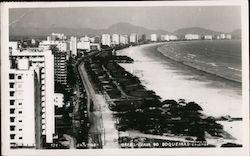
pixel 102 133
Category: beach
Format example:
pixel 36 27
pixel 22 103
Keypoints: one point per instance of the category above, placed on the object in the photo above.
pixel 172 80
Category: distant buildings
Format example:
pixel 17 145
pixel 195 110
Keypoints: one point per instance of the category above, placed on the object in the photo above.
pixel 115 39
pixel 85 39
pixel 224 36
pixel 61 45
pixel 60 66
pixel 133 38
pixel 143 38
pixel 165 37
pixel 83 45
pixel 56 36
pixel 87 46
pixel 173 38
pixel 229 36
pixel 106 39
pixel 55 39
pixel 73 45
pixel 123 39
pixel 192 36
pixel 153 37
pixel 208 37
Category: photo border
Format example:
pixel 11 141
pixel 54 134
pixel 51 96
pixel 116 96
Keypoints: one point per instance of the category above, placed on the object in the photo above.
pixel 163 151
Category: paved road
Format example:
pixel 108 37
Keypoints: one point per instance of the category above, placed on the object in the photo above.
pixel 95 118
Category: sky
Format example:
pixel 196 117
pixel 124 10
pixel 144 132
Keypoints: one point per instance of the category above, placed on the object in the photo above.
pixel 169 18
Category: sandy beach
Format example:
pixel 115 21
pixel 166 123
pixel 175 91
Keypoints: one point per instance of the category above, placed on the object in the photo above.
pixel 172 80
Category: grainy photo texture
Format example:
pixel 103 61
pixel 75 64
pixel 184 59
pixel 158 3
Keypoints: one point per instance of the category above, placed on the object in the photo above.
pixel 124 77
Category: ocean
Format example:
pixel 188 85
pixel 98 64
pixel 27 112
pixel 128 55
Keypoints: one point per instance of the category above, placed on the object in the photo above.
pixel 219 57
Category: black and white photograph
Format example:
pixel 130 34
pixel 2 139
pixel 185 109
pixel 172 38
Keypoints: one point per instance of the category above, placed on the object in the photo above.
pixel 113 78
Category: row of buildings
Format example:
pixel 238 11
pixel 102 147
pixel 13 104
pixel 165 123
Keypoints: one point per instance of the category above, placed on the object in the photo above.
pixel 208 37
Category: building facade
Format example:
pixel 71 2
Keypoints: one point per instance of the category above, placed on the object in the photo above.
pixel 208 37
pixel 115 39
pixel 23 96
pixel 124 39
pixel 153 37
pixel 192 36
pixel 41 59
pixel 60 66
pixel 61 45
pixel 133 38
pixel 106 39
pixel 73 45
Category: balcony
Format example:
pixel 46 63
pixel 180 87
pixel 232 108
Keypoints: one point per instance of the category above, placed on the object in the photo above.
pixel 43 87
pixel 43 110
pixel 43 99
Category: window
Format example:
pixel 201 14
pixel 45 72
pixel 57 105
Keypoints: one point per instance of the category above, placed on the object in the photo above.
pixel 12 119
pixel 11 76
pixel 12 93
pixel 12 136
pixel 19 77
pixel 12 102
pixel 12 111
pixel 11 85
pixel 12 128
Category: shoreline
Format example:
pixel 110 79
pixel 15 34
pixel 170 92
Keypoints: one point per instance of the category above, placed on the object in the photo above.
pixel 197 67
pixel 187 76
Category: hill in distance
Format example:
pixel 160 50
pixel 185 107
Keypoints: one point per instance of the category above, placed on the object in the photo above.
pixel 118 28
pixel 195 30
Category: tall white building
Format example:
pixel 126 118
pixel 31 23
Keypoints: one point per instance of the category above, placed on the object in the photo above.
pixel 73 45
pixel 133 38
pixel 153 37
pixel 23 96
pixel 123 39
pixel 115 39
pixel 106 40
pixel 44 60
